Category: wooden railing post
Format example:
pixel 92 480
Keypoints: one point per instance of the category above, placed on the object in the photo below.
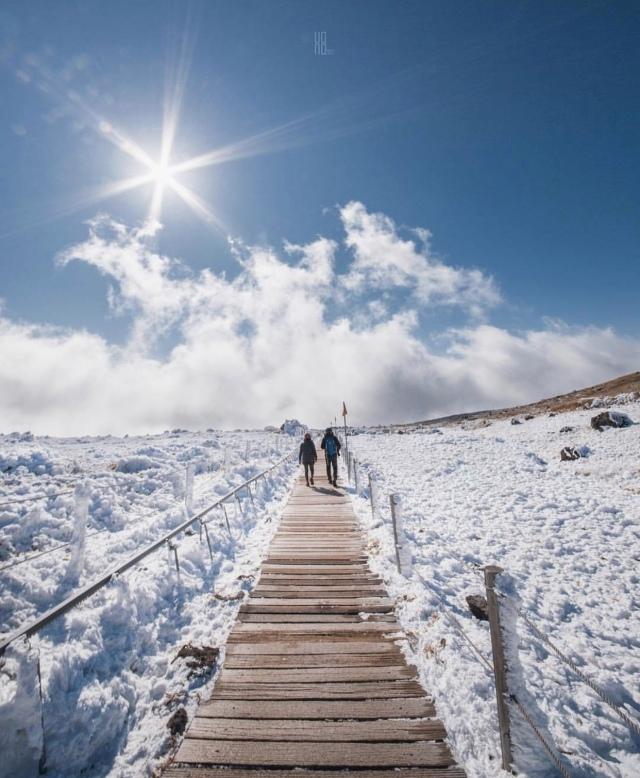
pixel 499 664
pixel 393 502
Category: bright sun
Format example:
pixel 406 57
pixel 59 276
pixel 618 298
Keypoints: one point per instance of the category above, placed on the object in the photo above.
pixel 161 174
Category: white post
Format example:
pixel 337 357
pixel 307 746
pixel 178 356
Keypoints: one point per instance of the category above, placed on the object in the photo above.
pixel 373 508
pixel 188 489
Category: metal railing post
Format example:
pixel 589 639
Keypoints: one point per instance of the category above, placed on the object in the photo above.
pixel 239 505
pixel 499 664
pixel 355 474
pixel 253 505
pixel 206 534
pixel 174 548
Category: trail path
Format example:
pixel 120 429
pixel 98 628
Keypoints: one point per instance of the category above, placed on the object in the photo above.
pixel 313 675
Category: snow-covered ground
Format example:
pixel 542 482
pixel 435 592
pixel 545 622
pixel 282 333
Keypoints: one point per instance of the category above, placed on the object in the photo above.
pixel 111 678
pixel 568 536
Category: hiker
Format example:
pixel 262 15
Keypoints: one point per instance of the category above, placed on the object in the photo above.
pixel 308 456
pixel 331 446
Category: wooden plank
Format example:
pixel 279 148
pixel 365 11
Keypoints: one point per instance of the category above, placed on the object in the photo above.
pixel 320 629
pixel 321 647
pixel 322 754
pixel 301 730
pixel 306 579
pixel 332 608
pixel 256 772
pixel 358 690
pixel 313 556
pixel 396 708
pixel 325 569
pixel 312 618
pixel 302 592
pixel 280 661
pixel 319 674
pixel 328 601
pixel 299 560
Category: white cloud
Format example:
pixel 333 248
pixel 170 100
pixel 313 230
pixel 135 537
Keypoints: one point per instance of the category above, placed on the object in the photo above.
pixel 277 341
pixel 383 260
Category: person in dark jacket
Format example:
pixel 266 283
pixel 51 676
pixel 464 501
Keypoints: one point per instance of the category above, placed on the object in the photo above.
pixel 308 456
pixel 331 446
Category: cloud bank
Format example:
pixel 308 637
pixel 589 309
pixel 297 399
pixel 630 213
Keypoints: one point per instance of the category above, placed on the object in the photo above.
pixel 290 335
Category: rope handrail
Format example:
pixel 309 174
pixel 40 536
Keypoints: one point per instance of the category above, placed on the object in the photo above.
pixel 52 614
pixel 455 623
pixel 44 552
pixel 547 747
pixel 35 498
pixel 633 725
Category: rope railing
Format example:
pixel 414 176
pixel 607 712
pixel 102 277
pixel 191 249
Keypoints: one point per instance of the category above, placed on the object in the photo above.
pixel 549 747
pixel 34 498
pixel 606 698
pixel 86 591
pixel 536 731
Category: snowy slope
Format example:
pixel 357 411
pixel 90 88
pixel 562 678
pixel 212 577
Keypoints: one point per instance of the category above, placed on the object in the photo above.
pixel 110 676
pixel 568 536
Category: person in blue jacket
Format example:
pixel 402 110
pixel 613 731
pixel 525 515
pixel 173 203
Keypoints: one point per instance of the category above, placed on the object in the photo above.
pixel 331 446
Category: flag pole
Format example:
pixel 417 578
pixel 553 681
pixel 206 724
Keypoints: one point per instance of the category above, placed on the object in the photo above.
pixel 344 417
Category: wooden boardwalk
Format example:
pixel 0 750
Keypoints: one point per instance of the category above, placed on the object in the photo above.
pixel 313 677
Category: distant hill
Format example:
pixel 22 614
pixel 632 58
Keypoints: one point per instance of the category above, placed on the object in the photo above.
pixel 598 395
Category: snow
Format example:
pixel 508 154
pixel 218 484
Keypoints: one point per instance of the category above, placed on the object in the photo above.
pixel 110 676
pixel 568 537
pixel 566 533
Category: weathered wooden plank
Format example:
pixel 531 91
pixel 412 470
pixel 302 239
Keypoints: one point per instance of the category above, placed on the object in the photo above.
pixel 319 629
pixel 268 594
pixel 319 674
pixel 313 556
pixel 315 618
pixel 358 690
pixel 301 730
pixel 323 754
pixel 320 646
pixel 324 551
pixel 310 558
pixel 335 607
pixel 395 708
pixel 341 570
pixel 327 601
pixel 306 579
pixel 281 661
pixel 331 589
pixel 312 618
pixel 256 772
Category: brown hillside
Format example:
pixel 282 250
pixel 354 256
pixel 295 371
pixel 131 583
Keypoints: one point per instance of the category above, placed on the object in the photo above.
pixel 563 402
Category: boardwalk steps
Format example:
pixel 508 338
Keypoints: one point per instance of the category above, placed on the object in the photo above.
pixel 313 676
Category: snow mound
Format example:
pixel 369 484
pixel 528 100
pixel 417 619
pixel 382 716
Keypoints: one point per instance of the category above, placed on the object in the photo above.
pixel 135 464
pixel 293 427
pixel 36 462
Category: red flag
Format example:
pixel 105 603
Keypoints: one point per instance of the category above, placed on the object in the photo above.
pixel 344 409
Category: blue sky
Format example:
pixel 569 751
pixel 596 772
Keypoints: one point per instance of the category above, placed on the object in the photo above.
pixel 509 130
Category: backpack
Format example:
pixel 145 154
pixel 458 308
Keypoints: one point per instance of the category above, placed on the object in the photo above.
pixel 331 446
